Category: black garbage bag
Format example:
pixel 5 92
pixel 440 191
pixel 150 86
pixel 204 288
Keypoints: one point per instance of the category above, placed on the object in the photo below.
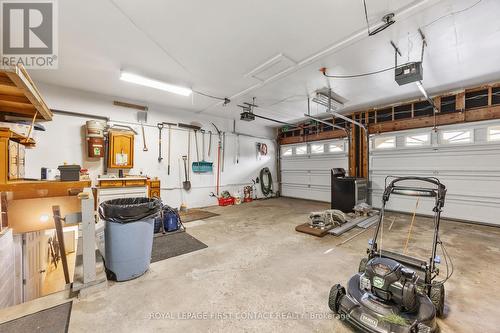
pixel 129 209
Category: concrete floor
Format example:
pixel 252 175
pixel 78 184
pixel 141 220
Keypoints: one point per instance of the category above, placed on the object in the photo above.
pixel 257 265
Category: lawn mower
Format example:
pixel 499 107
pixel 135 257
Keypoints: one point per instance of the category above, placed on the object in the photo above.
pixel 395 292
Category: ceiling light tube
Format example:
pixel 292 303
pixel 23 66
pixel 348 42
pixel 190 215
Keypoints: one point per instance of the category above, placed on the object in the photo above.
pixel 152 83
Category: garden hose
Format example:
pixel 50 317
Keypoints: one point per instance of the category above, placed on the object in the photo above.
pixel 266 189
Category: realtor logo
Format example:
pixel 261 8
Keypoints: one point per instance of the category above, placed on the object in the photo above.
pixel 29 33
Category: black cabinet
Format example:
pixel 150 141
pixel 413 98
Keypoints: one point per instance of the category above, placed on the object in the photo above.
pixel 346 192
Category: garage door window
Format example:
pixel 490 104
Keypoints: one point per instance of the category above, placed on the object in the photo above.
pixel 301 150
pixel 452 137
pixel 417 140
pixel 317 149
pixel 336 147
pixel 286 151
pixel 385 142
pixel 494 133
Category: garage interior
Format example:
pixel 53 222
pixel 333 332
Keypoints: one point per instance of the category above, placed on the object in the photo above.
pixel 231 166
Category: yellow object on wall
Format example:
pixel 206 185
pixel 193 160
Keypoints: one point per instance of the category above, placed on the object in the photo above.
pixel 121 150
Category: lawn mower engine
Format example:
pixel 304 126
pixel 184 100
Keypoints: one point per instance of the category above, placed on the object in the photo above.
pixel 390 281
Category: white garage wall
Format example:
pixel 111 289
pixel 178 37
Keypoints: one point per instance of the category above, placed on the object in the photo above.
pixel 470 171
pixel 308 176
pixel 64 142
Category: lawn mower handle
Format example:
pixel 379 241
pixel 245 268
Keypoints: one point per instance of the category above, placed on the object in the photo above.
pixel 439 192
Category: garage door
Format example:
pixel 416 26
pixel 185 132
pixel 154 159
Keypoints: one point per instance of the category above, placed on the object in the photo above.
pixel 466 158
pixel 305 168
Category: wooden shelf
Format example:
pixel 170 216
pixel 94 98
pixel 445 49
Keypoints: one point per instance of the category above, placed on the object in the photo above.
pixel 6 133
pixel 19 96
pixel 24 189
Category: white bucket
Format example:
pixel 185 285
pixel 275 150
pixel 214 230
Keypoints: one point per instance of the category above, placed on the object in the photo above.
pixel 95 129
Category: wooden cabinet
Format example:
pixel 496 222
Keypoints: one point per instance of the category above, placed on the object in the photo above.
pixel 121 150
pixel 122 182
pixel 13 158
pixel 16 160
pixel 12 155
pixel 154 188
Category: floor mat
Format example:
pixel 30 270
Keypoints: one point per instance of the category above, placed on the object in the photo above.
pixel 173 245
pixel 51 320
pixel 195 214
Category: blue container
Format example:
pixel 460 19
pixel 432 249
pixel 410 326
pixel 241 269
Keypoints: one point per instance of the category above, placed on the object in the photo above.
pixel 170 220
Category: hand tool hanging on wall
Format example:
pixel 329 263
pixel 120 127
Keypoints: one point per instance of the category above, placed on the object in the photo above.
pixel 145 148
pixel 160 127
pixel 189 155
pixel 169 143
pixel 209 143
pixel 196 145
pixel 223 150
pixel 202 145
pixel 218 158
pixel 186 184
pixel 202 166
pixel 237 148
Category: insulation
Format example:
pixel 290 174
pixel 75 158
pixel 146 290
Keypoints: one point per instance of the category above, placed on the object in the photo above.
pixel 384 115
pixel 402 111
pixel 476 99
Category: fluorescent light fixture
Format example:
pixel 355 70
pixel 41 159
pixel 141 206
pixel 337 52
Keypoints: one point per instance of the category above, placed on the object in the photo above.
pixel 147 82
pixel 44 218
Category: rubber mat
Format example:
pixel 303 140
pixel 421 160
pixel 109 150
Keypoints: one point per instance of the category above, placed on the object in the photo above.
pixel 196 214
pixel 173 245
pixel 51 320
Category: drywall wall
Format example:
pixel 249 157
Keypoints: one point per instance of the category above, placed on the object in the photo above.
pixel 39 215
pixel 7 271
pixel 64 141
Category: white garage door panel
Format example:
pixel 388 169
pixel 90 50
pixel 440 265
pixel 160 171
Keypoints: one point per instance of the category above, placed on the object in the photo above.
pixel 308 176
pixel 471 173
pixel 446 159
pixel 321 178
pixel 295 177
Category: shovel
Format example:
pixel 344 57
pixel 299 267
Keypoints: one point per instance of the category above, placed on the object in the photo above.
pixel 186 184
pixel 160 127
pixel 145 148
pixel 201 166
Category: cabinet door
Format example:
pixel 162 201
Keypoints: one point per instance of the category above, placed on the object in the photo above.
pixel 121 150
pixel 13 160
pixel 21 161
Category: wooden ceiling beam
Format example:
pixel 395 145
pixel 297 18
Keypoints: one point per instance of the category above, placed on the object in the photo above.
pixel 23 84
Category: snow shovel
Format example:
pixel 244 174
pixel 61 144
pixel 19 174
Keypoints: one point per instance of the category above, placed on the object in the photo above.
pixel 201 166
